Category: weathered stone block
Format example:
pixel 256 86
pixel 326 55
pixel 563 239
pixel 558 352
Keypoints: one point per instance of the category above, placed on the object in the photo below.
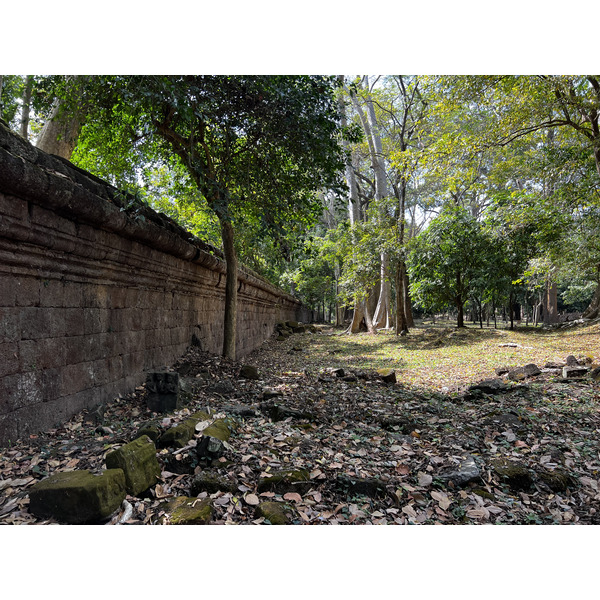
pixel 163 391
pixel 138 462
pixel 274 512
pixel 78 496
pixel 210 482
pixel 289 480
pixel 180 435
pixel 574 372
pixel 249 372
pixel 186 511
pixel 387 375
pixel 211 445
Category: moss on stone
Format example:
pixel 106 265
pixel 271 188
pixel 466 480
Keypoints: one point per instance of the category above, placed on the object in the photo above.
pixel 78 496
pixel 152 430
pixel 219 429
pixel 274 512
pixel 387 375
pixel 180 435
pixel 288 480
pixel 484 494
pixel 138 462
pixel 515 474
pixel 557 481
pixel 211 482
pixel 186 511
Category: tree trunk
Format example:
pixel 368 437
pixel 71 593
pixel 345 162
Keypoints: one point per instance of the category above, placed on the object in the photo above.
pixel 550 304
pixel 410 322
pixel 381 316
pixel 61 131
pixel 230 320
pixel 593 310
pixel 26 106
pixel 510 309
pixel 460 320
pixel 401 321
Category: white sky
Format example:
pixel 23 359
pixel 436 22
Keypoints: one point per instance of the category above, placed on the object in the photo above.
pixel 312 36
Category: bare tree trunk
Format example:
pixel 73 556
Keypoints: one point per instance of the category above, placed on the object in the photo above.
pixel 60 132
pixel 230 319
pixel 593 310
pixel 26 106
pixel 401 324
pixel 550 304
pixel 410 322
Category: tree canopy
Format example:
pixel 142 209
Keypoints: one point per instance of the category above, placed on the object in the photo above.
pixel 382 194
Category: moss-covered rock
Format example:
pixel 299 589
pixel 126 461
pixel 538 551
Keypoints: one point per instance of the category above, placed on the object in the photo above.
pixel 387 375
pixel 274 512
pixel 557 481
pixel 138 462
pixel 78 496
pixel 186 511
pixel 288 480
pixel 211 482
pixel 180 435
pixel 292 324
pixel 484 494
pixel 249 372
pixel 515 474
pixel 211 445
pixel 152 430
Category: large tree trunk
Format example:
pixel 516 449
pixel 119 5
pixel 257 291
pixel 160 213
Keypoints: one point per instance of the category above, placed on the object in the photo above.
pixel 371 129
pixel 61 131
pixel 593 310
pixel 26 106
pixel 381 316
pixel 230 321
pixel 401 321
pixel 350 177
pixel 550 304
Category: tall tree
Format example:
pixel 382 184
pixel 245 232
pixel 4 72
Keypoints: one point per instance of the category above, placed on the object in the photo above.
pixel 251 145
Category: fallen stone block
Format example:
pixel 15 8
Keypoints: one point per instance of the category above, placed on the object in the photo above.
pixel 360 486
pixel 211 482
pixel 180 435
pixel 466 472
pixel 285 481
pixel 78 497
pixel 274 512
pixel 186 511
pixel 513 473
pixel 574 372
pixel 387 375
pixel 138 462
pixel 249 372
pixel 214 437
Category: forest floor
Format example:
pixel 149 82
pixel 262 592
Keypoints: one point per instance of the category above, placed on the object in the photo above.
pixel 428 448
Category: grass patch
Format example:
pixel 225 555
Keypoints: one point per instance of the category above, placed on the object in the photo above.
pixel 442 356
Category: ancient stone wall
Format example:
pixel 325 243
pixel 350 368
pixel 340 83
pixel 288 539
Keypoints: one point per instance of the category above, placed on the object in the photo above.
pixel 95 290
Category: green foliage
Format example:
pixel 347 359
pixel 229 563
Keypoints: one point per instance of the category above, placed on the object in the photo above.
pixel 447 260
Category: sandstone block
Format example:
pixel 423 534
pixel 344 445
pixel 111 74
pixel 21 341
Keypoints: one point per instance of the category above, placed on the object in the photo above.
pixel 186 511
pixel 78 496
pixel 138 462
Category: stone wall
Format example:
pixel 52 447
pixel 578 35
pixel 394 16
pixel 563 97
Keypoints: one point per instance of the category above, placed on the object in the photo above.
pixel 96 289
